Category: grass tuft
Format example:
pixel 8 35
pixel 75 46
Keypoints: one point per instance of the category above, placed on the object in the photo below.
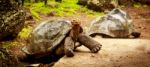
pixel 25 32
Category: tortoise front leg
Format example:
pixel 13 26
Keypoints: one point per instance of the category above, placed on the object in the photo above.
pixel 87 41
pixel 69 47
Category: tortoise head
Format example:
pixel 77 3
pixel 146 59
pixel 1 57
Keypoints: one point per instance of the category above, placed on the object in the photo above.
pixel 76 25
pixel 76 30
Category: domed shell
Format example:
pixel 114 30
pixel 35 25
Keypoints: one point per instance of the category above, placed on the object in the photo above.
pixel 47 36
pixel 116 23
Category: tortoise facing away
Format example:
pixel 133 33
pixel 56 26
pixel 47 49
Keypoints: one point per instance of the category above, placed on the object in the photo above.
pixel 56 38
pixel 117 24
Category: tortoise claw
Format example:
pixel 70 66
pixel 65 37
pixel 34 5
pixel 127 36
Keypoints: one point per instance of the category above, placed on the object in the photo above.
pixel 69 53
pixel 96 49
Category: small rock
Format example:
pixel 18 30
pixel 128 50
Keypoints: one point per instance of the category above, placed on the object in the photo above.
pixel 92 55
pixel 53 13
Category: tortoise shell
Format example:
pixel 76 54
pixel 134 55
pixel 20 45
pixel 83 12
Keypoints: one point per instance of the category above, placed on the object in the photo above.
pixel 47 36
pixel 116 23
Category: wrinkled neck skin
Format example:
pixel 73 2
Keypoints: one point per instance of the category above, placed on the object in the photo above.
pixel 75 31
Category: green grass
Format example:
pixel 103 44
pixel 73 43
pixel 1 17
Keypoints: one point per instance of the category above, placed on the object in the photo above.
pixel 66 8
pixel 9 44
pixel 137 5
pixel 35 15
pixel 6 44
pixel 25 32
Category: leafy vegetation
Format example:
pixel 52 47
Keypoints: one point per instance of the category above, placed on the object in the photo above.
pixel 35 15
pixel 25 32
pixel 9 44
pixel 137 5
pixel 65 8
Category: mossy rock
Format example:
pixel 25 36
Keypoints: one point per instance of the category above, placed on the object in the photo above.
pixel 7 59
pixel 99 5
pixel 12 19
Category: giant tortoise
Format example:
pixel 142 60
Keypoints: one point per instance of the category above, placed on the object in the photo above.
pixel 116 24
pixel 56 38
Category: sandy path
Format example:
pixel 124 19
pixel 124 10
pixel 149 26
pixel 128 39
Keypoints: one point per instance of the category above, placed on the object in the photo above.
pixel 114 53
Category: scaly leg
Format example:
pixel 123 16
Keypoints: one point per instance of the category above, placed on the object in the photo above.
pixel 69 47
pixel 87 41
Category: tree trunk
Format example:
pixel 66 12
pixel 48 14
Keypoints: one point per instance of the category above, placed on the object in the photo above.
pixel 45 2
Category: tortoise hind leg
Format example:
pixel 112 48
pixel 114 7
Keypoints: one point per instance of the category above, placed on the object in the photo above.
pixel 69 47
pixel 136 34
pixel 87 41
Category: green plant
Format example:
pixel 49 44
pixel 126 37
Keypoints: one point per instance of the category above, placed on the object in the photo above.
pixel 137 5
pixel 35 15
pixel 65 8
pixel 25 32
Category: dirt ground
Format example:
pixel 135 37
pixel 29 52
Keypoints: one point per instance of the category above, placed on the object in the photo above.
pixel 141 20
pixel 114 53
